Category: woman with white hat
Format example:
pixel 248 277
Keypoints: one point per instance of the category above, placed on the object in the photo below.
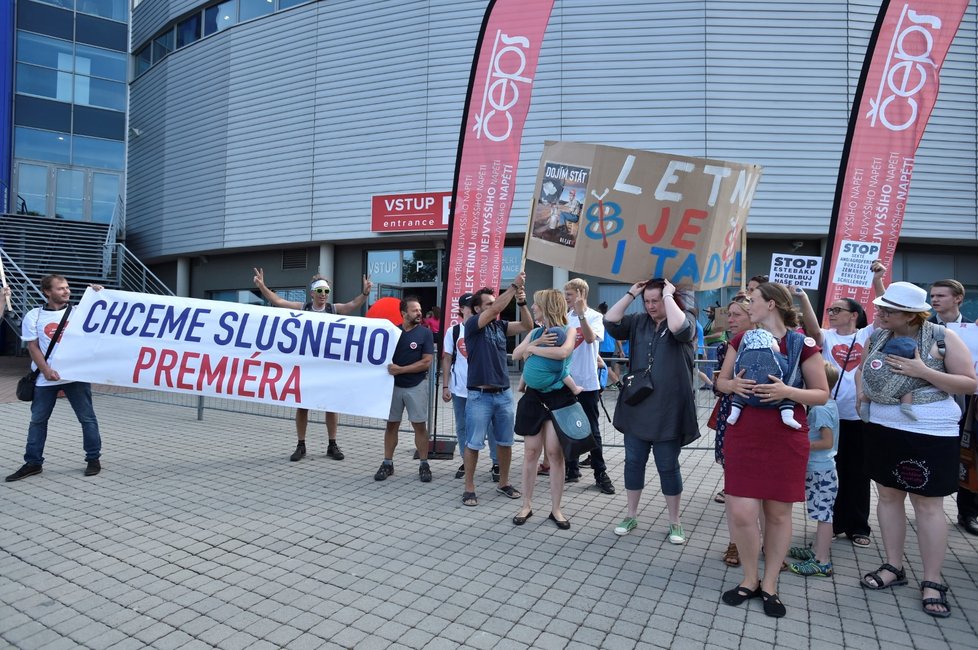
pixel 911 456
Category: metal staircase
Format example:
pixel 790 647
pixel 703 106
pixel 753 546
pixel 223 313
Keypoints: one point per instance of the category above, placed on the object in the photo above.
pixel 85 253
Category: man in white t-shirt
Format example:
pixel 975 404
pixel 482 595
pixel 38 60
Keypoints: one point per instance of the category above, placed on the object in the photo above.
pixel 454 375
pixel 37 330
pixel 584 371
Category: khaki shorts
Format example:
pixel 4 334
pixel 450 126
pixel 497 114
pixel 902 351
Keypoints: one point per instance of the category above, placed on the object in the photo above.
pixel 415 399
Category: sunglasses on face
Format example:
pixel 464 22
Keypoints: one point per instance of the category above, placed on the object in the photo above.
pixel 834 311
pixel 887 312
pixel 322 290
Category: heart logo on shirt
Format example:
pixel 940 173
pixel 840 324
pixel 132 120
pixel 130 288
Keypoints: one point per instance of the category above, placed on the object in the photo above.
pixel 462 350
pixel 855 357
pixel 579 338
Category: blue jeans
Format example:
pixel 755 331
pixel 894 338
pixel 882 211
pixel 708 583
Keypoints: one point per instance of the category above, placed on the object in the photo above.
pixel 485 410
pixel 80 397
pixel 458 405
pixel 666 454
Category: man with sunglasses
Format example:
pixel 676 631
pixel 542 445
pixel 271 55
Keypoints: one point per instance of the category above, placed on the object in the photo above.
pixel 319 292
pixel 946 297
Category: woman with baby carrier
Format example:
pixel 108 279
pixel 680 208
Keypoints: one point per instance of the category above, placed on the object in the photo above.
pixel 766 447
pixel 912 443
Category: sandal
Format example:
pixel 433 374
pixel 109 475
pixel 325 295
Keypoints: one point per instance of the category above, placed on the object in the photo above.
pixel 941 600
pixel 773 606
pixel 469 499
pixel 731 557
pixel 509 491
pixel 878 582
pixel 860 541
pixel 720 497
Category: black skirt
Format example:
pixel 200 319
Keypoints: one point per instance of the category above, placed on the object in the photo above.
pixel 531 413
pixel 912 462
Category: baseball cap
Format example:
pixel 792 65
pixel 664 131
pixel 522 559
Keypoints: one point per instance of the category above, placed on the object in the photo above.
pixel 465 300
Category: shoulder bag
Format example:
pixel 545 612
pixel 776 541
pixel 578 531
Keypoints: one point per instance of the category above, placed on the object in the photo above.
pixel 25 385
pixel 637 386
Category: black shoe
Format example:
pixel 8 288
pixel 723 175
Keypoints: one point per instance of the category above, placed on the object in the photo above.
pixel 563 524
pixel 93 468
pixel 494 473
pixel 300 451
pixel 969 524
pixel 333 451
pixel 586 462
pixel 424 473
pixel 26 470
pixel 461 471
pixel 572 476
pixel 386 469
pixel 604 483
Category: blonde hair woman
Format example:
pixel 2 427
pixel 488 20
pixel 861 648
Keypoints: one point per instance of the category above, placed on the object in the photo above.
pixel 547 358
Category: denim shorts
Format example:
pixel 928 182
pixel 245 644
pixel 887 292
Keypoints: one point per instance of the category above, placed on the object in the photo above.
pixel 489 413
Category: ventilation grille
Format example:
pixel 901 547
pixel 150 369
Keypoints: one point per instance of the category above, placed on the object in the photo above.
pixel 295 259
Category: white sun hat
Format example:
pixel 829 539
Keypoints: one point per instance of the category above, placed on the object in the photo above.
pixel 903 296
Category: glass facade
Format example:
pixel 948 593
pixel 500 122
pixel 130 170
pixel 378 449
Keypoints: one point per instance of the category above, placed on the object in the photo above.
pixel 69 108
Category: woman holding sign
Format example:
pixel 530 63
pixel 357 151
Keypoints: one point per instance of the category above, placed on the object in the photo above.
pixel 843 343
pixel 764 457
pixel 661 342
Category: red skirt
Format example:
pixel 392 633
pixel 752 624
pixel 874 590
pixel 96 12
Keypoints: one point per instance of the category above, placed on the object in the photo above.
pixel 765 458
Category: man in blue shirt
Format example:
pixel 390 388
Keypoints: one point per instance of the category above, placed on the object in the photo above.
pixel 409 365
pixel 490 401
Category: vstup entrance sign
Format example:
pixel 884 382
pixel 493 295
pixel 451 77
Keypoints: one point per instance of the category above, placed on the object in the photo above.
pixel 410 212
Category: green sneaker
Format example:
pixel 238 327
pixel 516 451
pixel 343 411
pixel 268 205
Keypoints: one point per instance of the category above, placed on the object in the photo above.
pixel 626 526
pixel 811 568
pixel 676 534
pixel 801 553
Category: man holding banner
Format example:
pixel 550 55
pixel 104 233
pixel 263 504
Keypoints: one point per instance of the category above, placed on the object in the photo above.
pixel 40 330
pixel 319 291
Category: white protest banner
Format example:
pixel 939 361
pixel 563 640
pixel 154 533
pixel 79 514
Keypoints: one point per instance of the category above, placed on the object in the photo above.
pixel 969 334
pixel 796 270
pixel 853 265
pixel 220 349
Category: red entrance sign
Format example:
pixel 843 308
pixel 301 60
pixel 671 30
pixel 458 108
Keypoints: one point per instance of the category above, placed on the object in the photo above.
pixel 407 212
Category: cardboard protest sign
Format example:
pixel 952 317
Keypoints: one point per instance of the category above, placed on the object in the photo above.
pixel 853 266
pixel 796 270
pixel 630 215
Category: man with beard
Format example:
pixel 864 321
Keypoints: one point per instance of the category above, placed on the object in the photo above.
pixel 409 365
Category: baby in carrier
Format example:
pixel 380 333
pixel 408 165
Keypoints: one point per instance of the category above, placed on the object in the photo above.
pixel 759 356
pixel 546 372
pixel 898 346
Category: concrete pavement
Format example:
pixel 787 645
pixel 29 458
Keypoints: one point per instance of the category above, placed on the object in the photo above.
pixel 201 534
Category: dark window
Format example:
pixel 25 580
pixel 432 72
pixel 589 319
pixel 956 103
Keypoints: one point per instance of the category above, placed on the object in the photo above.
pixel 102 33
pixel 188 31
pixel 144 59
pixel 220 17
pixel 100 123
pixel 45 19
pixel 162 45
pixel 42 113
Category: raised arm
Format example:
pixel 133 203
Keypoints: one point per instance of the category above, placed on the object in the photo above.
pixel 525 323
pixel 808 318
pixel 675 317
pixel 617 311
pixel 502 301
pixel 354 305
pixel 273 298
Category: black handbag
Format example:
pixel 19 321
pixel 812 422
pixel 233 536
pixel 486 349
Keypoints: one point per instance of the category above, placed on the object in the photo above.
pixel 637 386
pixel 26 384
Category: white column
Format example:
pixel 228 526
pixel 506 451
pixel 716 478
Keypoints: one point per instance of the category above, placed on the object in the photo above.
pixel 561 276
pixel 327 260
pixel 183 277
